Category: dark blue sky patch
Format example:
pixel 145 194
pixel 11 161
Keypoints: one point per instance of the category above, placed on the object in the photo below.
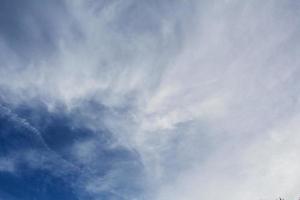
pixel 15 135
pixel 37 184
pixel 54 167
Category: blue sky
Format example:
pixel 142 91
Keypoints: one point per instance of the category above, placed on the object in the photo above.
pixel 149 99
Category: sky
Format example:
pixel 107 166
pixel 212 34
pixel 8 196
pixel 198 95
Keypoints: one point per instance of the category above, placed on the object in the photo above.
pixel 149 99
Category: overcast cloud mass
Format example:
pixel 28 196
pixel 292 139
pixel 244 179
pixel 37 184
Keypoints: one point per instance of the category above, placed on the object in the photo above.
pixel 149 99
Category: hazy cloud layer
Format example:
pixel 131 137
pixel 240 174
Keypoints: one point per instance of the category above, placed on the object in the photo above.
pixel 154 99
